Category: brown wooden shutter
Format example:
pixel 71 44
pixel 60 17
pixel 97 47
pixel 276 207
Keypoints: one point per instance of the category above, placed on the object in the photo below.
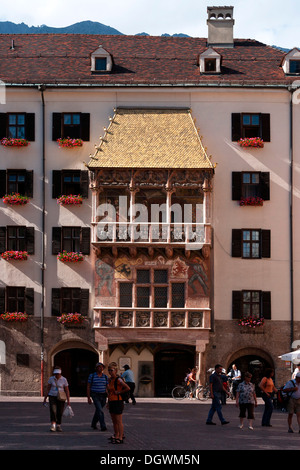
pixel 2 239
pixel 55 302
pixel 30 240
pixel 237 304
pixel 265 185
pixel 236 127
pixel 56 126
pixel 236 185
pixel 2 183
pixel 85 237
pixel 266 129
pixel 56 240
pixel 30 126
pixel 56 184
pixel 266 243
pixel 2 299
pixel 85 126
pixel 84 183
pixel 29 301
pixel 236 245
pixel 266 305
pixel 84 301
pixel 3 125
pixel 29 183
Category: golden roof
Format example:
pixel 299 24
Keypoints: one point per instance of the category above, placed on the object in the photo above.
pixel 151 138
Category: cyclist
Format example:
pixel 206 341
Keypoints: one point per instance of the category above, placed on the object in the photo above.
pixel 192 381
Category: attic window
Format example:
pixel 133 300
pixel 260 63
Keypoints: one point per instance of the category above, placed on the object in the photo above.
pixel 101 60
pixel 210 61
pixel 291 62
pixel 294 66
pixel 210 65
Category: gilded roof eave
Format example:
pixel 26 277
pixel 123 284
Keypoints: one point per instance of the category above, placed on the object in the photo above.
pixel 151 138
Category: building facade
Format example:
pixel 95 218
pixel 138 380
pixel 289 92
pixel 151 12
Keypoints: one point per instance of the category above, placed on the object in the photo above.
pixel 181 229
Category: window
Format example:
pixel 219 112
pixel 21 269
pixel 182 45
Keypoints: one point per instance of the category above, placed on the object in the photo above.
pixel 73 125
pixel 17 238
pixel 210 61
pixel 152 290
pixel 251 303
pixel 250 184
pixel 70 300
pixel 100 63
pixel 16 181
pixel 17 299
pixel 210 65
pixel 75 239
pixel 294 66
pixel 17 125
pixel 251 243
pixel 69 182
pixel 250 125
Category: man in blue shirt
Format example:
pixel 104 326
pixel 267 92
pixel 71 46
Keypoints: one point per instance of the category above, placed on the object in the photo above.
pixel 129 379
pixel 96 392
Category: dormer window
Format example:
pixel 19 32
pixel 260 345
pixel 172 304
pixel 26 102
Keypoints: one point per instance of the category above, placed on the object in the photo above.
pixel 101 60
pixel 291 62
pixel 210 61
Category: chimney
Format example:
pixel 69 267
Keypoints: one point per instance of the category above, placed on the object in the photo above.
pixel 220 26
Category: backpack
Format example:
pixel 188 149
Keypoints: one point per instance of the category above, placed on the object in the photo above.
pixel 123 396
pixel 283 397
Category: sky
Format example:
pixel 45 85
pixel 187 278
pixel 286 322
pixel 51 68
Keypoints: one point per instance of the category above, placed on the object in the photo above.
pixel 273 22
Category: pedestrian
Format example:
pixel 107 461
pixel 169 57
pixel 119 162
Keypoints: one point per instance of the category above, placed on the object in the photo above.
pixel 236 378
pixel 246 400
pixel 58 393
pixel 296 370
pixel 129 379
pixel 293 387
pixel 216 389
pixel 116 387
pixel 96 393
pixel 268 388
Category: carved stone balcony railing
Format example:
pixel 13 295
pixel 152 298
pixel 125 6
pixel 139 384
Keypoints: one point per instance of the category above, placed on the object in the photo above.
pixel 152 318
pixel 123 233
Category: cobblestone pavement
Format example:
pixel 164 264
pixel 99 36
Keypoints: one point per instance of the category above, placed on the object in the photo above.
pixel 151 425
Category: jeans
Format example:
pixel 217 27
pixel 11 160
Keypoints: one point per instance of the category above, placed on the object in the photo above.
pixel 269 407
pixel 99 400
pixel 216 406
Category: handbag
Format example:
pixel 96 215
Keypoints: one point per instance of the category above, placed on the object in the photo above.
pixel 61 394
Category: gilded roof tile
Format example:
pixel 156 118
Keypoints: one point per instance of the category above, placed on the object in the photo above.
pixel 151 138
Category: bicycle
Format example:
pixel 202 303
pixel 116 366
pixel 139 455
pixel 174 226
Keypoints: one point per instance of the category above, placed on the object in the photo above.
pixel 180 392
pixel 203 392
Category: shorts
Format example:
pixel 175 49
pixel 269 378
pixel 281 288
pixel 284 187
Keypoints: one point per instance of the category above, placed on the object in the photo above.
pixel 250 410
pixel 293 405
pixel 116 407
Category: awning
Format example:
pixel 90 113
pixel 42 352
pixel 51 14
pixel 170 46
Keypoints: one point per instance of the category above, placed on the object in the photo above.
pixel 151 138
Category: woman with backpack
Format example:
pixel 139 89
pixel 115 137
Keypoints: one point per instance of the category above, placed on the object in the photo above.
pixel 116 387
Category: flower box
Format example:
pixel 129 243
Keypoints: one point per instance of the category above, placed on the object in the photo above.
pixel 14 316
pixel 69 143
pixel 251 201
pixel 9 142
pixel 71 200
pixel 255 142
pixel 71 319
pixel 251 322
pixel 15 199
pixel 18 255
pixel 70 257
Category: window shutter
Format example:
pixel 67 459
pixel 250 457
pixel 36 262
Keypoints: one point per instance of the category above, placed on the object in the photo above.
pixel 29 183
pixel 235 127
pixel 30 126
pixel 85 302
pixel 2 239
pixel 236 185
pixel 30 240
pixel 56 184
pixel 266 305
pixel 266 129
pixel 56 240
pixel 3 123
pixel 56 126
pixel 2 299
pixel 29 301
pixel 236 304
pixel 265 186
pixel 85 126
pixel 2 183
pixel 236 246
pixel 266 243
pixel 55 303
pixel 85 237
pixel 84 183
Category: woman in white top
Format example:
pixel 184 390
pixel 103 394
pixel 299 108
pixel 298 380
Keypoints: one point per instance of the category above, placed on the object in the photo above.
pixel 58 393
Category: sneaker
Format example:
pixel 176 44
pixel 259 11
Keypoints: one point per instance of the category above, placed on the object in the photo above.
pixel 53 427
pixel 225 422
pixel 210 423
pixel 250 427
pixel 241 426
pixel 290 430
pixel 58 428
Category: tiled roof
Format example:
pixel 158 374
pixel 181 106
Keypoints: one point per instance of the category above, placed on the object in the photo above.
pixel 151 138
pixel 65 59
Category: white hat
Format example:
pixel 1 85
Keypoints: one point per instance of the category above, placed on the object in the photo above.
pixel 57 371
